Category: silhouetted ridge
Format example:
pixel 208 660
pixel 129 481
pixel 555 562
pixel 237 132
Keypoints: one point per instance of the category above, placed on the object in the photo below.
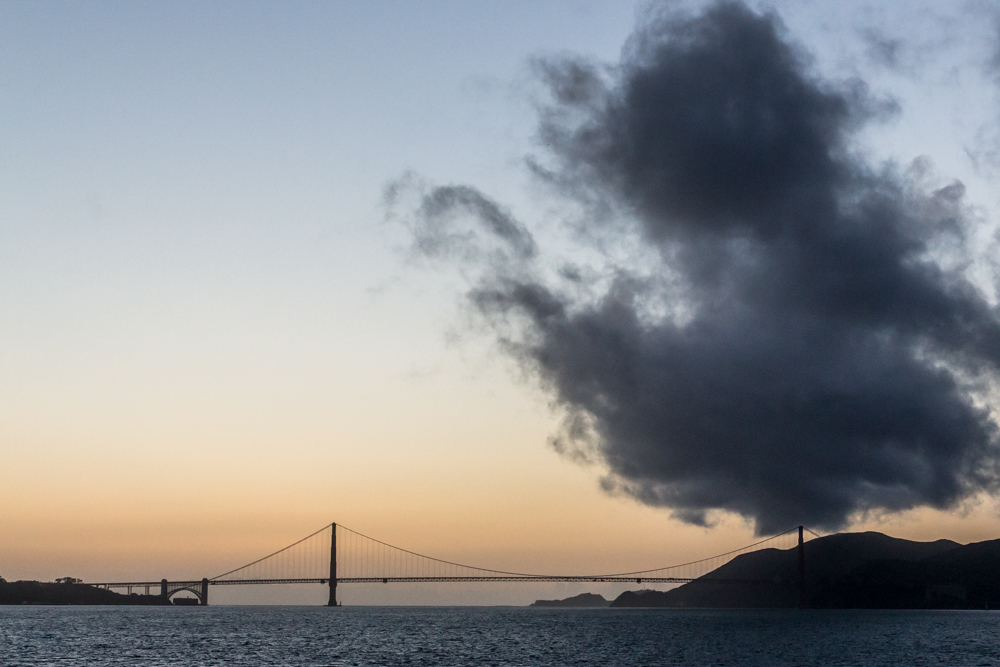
pixel 581 600
pixel 848 570
pixel 35 592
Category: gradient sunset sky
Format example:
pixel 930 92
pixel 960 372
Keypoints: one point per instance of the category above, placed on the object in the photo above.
pixel 214 339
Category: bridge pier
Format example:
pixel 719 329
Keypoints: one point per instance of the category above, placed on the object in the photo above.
pixel 802 571
pixel 333 566
pixel 164 593
pixel 204 592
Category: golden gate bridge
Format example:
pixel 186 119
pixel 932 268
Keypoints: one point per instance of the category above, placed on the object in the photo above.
pixel 335 555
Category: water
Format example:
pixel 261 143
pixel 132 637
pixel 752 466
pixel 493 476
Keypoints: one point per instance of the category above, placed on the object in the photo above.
pixel 491 636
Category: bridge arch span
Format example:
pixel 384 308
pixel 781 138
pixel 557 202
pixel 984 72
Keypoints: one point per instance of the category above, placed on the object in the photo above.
pixel 197 593
pixel 199 588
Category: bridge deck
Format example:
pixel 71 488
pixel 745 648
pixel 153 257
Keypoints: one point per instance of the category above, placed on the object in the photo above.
pixel 389 580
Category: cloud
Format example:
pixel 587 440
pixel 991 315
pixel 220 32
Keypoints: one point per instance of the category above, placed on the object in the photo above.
pixel 791 337
pixel 881 50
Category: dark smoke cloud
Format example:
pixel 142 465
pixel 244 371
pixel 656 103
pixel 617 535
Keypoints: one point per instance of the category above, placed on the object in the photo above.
pixel 795 341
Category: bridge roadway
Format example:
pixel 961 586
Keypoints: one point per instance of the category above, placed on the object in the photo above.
pixel 387 580
pixel 200 588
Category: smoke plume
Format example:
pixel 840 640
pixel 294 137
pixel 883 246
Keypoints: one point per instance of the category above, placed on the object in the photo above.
pixel 756 319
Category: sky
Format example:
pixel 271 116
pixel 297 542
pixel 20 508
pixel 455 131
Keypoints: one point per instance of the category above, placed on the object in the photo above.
pixel 218 334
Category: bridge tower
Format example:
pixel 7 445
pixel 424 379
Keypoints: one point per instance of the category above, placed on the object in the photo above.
pixel 204 592
pixel 802 571
pixel 333 566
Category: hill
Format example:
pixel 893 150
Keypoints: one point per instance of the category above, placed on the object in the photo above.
pixel 581 600
pixel 35 592
pixel 847 570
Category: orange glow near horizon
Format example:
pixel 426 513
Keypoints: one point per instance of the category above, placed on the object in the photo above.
pixel 474 484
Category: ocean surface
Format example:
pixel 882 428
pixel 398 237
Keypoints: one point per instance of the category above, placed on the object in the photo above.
pixel 491 636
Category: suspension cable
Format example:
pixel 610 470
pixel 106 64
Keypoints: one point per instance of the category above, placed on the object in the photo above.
pixel 274 554
pixel 373 557
pixel 618 574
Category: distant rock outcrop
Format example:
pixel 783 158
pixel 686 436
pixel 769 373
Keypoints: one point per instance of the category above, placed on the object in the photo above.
pixel 581 600
pixel 849 570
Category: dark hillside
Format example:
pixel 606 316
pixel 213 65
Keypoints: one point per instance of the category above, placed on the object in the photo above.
pixel 34 592
pixel 845 570
pixel 581 600
pixel 965 577
pixel 773 568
